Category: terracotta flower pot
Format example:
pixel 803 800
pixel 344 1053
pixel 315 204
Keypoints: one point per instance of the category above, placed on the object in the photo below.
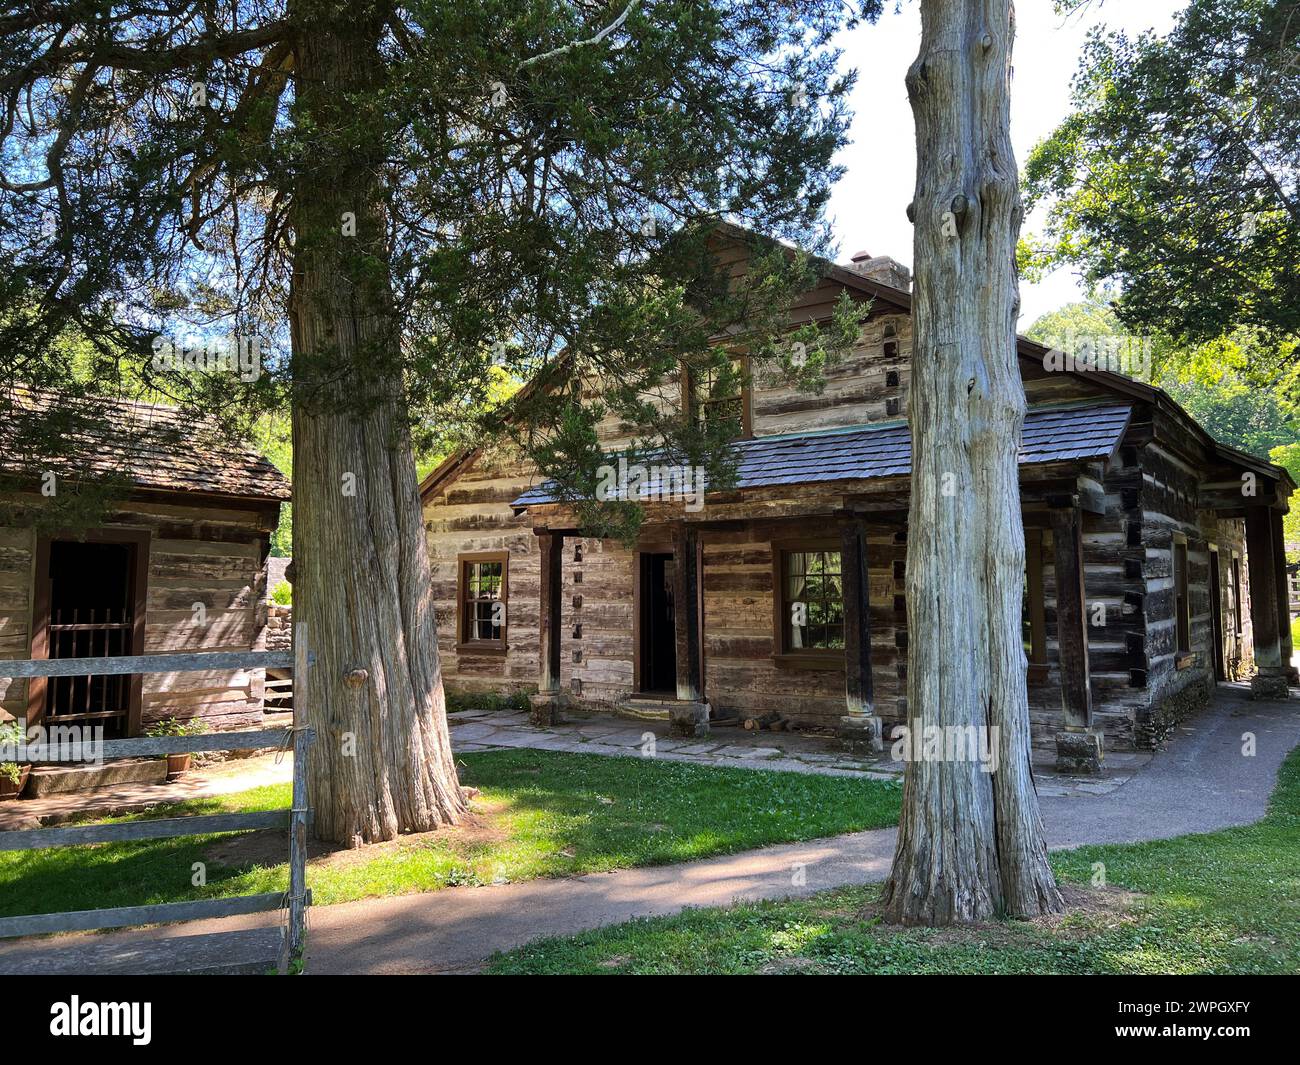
pixel 10 790
pixel 178 764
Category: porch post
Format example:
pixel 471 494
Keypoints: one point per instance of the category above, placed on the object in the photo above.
pixel 1285 647
pixel 1262 552
pixel 689 716
pixel 1078 746
pixel 548 703
pixel 860 727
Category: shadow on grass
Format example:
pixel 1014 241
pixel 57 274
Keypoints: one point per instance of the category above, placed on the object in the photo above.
pixel 1221 902
pixel 541 813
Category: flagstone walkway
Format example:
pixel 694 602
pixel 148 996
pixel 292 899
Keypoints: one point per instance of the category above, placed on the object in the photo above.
pixel 795 752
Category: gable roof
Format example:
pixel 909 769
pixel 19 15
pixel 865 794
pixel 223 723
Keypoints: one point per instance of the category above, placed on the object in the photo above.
pixel 152 445
pixel 866 452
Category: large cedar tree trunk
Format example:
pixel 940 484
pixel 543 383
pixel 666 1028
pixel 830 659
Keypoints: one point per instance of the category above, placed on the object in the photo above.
pixel 382 761
pixel 970 844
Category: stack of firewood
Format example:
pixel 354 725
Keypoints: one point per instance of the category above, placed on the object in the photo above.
pixel 772 721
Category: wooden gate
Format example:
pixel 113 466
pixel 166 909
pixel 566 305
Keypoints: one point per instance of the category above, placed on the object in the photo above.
pixel 289 950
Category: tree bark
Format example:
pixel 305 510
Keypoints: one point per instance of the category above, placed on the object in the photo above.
pixel 970 843
pixel 382 762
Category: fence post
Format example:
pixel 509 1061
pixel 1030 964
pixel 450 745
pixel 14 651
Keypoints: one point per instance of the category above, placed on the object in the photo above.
pixel 298 813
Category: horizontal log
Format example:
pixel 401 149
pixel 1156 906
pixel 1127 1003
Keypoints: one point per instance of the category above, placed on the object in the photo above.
pixel 161 828
pixel 127 664
pixel 125 916
pixel 148 746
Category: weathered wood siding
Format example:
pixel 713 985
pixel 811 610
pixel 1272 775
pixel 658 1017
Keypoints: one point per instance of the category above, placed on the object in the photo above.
pixel 17 551
pixel 212 555
pixel 1148 492
pixel 472 513
pixel 1169 506
pixel 740 673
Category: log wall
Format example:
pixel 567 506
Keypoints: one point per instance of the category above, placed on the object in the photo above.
pixel 1138 687
pixel 212 554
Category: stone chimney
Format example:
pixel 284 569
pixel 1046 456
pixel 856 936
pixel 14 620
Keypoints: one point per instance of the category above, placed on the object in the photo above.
pixel 883 270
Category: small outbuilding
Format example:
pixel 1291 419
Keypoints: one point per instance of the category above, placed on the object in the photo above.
pixel 178 563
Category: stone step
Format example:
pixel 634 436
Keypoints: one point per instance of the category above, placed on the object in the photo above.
pixel 644 708
pixel 61 779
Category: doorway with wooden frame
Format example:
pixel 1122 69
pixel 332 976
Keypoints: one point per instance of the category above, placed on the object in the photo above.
pixel 89 601
pixel 656 635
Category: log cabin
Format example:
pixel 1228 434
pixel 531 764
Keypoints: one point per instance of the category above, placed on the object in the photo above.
pixel 1154 559
pixel 177 564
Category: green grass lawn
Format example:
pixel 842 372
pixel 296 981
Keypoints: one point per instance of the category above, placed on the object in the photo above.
pixel 539 813
pixel 1226 902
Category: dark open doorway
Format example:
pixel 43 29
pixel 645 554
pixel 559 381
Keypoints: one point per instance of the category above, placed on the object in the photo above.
pixel 658 633
pixel 90 603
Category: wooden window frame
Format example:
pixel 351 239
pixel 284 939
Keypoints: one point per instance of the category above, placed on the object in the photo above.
pixel 1182 603
pixel 813 658
pixel 464 644
pixel 746 396
pixel 1036 596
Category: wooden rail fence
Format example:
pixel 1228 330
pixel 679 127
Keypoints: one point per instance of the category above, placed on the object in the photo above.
pixel 295 819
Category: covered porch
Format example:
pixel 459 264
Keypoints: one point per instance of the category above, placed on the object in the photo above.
pixel 814 536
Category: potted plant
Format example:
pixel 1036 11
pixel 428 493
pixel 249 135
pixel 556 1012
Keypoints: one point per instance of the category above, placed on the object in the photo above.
pixel 170 726
pixel 13 775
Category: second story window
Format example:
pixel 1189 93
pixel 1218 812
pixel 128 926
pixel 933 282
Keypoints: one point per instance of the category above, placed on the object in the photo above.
pixel 719 397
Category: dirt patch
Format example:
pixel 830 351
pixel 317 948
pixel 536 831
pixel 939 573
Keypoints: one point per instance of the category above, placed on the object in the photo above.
pixel 616 962
pixel 268 847
pixel 783 966
pixel 1111 905
pixel 1107 906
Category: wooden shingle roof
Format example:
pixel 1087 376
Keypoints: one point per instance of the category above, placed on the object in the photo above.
pixel 151 445
pixel 1062 434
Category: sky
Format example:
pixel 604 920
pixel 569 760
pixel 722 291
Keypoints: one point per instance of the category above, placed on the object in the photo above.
pixel 867 210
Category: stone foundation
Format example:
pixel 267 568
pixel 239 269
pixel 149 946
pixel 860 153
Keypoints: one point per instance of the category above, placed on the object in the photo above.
pixel 1078 752
pixel 279 627
pixel 1191 699
pixel 1269 683
pixel 688 719
pixel 547 708
pixel 861 733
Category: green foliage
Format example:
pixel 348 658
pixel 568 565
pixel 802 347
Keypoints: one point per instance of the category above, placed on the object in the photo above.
pixel 172 726
pixel 1091 317
pixel 1218 903
pixel 543 185
pixel 10 736
pixel 552 814
pixel 282 594
pixel 1174 175
pixel 494 701
pixel 1214 381
pixel 1288 456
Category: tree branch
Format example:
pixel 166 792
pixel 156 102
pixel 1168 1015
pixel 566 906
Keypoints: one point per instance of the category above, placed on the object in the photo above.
pixel 153 60
pixel 565 49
